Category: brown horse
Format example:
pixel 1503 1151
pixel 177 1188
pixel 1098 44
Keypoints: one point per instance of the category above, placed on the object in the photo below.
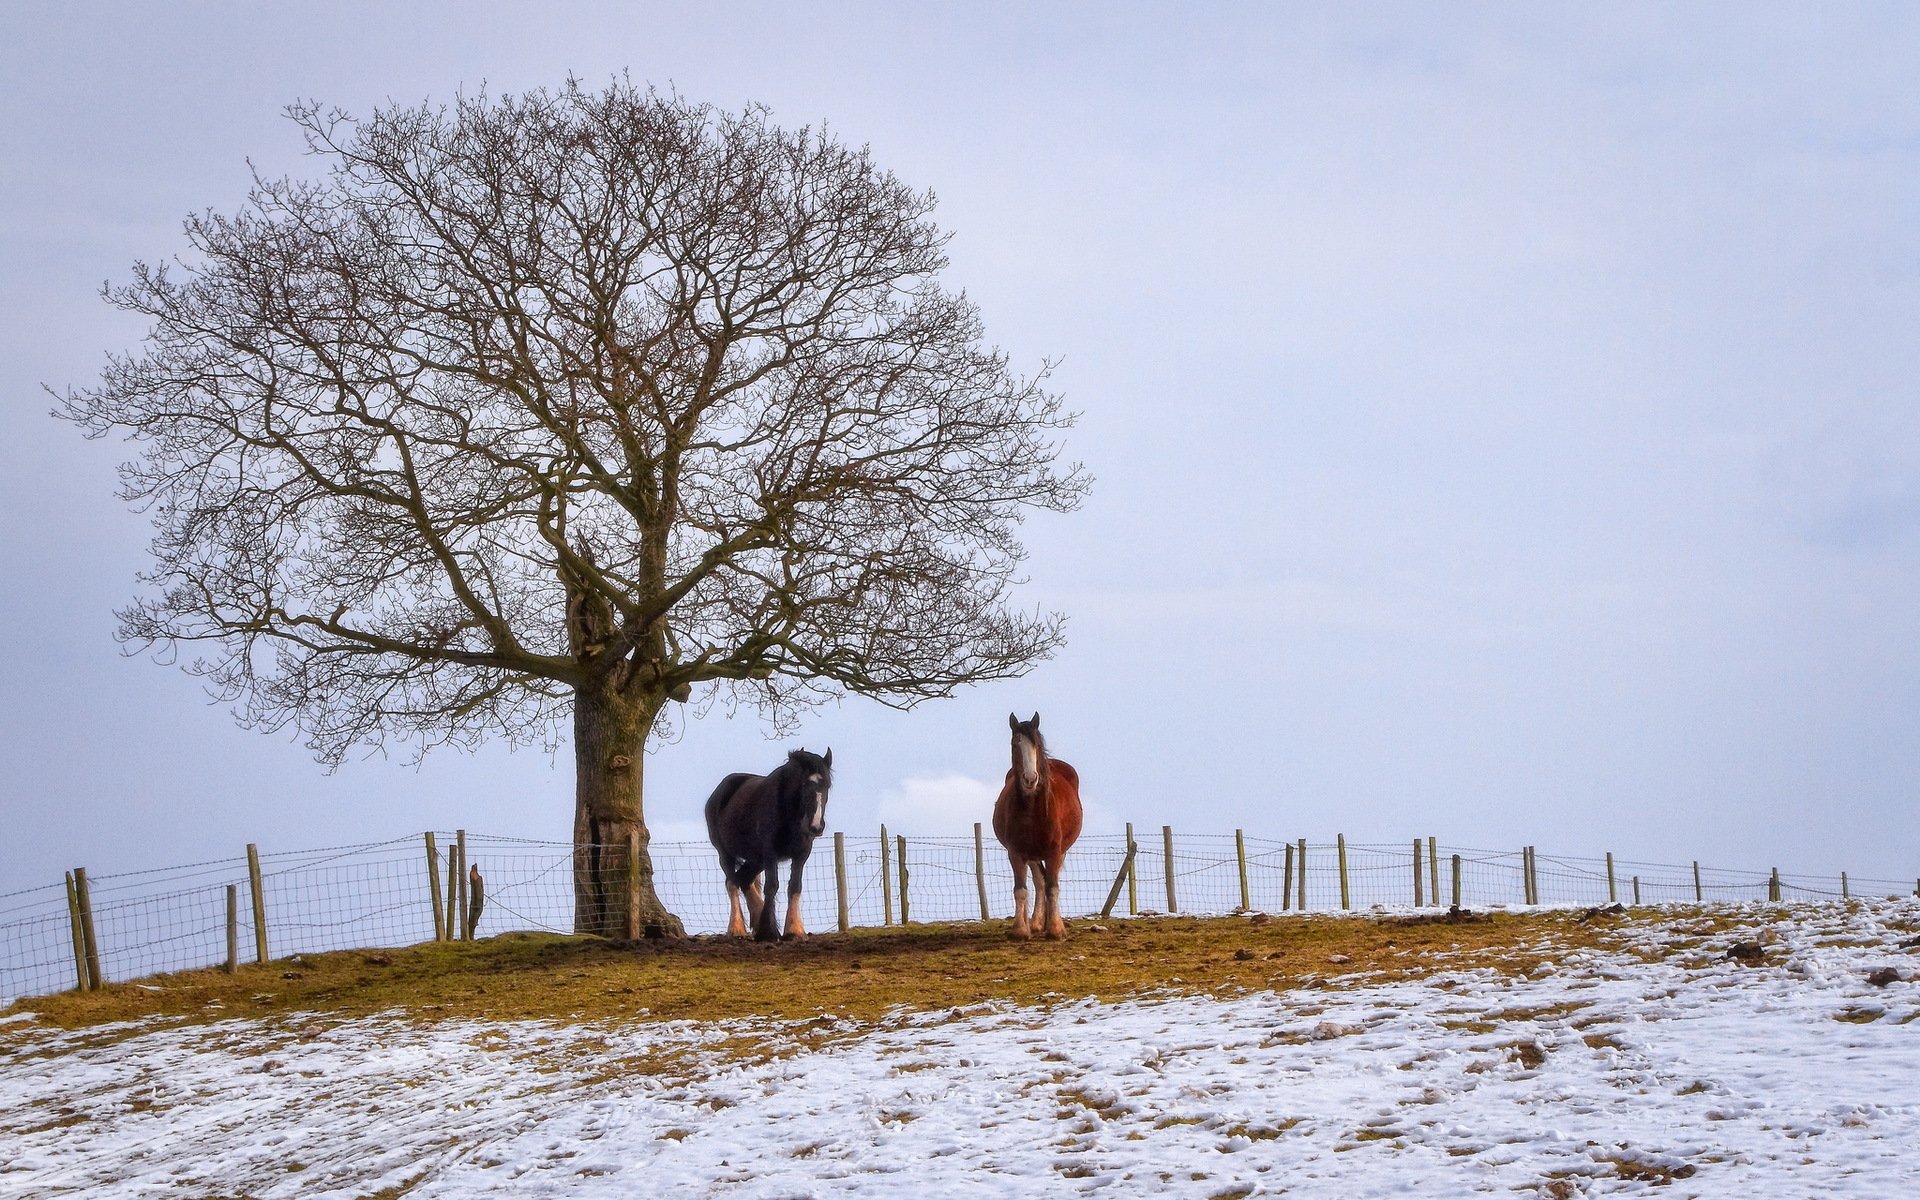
pixel 1037 818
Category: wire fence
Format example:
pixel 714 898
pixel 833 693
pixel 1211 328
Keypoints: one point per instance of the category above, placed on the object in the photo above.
pixel 386 894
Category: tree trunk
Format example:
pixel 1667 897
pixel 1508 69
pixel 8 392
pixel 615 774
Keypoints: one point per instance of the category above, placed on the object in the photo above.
pixel 612 869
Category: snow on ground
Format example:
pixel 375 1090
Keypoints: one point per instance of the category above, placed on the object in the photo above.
pixel 1685 1075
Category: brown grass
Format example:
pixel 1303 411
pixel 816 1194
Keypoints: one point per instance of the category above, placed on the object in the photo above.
pixel 860 974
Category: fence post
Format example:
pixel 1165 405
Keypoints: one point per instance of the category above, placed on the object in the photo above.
pixel 886 879
pixel 1125 874
pixel 840 877
pixel 460 844
pixel 1456 881
pixel 630 922
pixel 1636 890
pixel 1773 885
pixel 259 903
pixel 1418 882
pixel 1340 844
pixel 1845 894
pixel 233 928
pixel 453 889
pixel 1526 874
pixel 96 980
pixel 1433 869
pixel 1166 837
pixel 1286 881
pixel 1612 894
pixel 1133 875
pixel 85 981
pixel 1698 896
pixel 433 884
pixel 1240 852
pixel 980 867
pixel 902 846
pixel 1303 875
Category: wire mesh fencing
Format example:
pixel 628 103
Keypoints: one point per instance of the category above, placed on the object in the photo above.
pixel 257 907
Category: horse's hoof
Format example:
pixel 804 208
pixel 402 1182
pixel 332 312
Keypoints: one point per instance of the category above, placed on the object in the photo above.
pixel 1020 935
pixel 1057 935
pixel 766 935
pixel 794 937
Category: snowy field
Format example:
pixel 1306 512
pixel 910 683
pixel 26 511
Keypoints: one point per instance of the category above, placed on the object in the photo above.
pixel 1660 1067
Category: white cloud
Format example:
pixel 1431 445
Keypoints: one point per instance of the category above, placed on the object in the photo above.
pixel 948 805
pixel 938 805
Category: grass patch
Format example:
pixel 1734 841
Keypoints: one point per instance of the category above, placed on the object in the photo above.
pixel 858 975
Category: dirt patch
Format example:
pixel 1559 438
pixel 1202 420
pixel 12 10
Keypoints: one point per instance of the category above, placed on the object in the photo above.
pixel 858 975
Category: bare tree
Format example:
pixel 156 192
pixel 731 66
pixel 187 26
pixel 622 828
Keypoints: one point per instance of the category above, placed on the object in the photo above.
pixel 566 405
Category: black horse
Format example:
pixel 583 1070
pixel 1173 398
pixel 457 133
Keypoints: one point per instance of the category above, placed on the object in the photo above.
pixel 757 820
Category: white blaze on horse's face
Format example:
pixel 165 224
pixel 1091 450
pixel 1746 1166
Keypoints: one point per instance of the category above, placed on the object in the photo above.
pixel 817 806
pixel 1029 759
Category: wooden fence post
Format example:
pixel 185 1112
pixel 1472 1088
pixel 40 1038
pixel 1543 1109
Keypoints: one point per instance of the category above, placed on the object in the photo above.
pixel 233 928
pixel 85 980
pixel 1845 894
pixel 1433 869
pixel 1612 893
pixel 1773 885
pixel 840 876
pixel 460 847
pixel 1340 844
pixel 433 884
pixel 1133 875
pixel 1636 890
pixel 453 890
pixel 1419 882
pixel 259 903
pixel 1303 875
pixel 1699 897
pixel 88 940
pixel 1286 881
pixel 980 867
pixel 1526 874
pixel 630 920
pixel 1240 852
pixel 1456 881
pixel 886 879
pixel 1124 876
pixel 1166 838
pixel 901 845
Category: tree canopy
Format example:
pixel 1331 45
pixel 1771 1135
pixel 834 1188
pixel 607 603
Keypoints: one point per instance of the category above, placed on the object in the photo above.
pixel 574 397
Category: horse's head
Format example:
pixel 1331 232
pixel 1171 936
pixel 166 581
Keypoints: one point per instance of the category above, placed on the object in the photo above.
pixel 1029 750
pixel 814 775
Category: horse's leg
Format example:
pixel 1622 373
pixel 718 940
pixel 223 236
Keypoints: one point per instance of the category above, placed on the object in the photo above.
pixel 763 927
pixel 1020 927
pixel 1056 926
pixel 754 899
pixel 735 926
pixel 795 929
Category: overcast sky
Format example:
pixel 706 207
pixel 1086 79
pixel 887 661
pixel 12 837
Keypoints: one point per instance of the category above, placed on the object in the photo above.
pixel 1503 417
